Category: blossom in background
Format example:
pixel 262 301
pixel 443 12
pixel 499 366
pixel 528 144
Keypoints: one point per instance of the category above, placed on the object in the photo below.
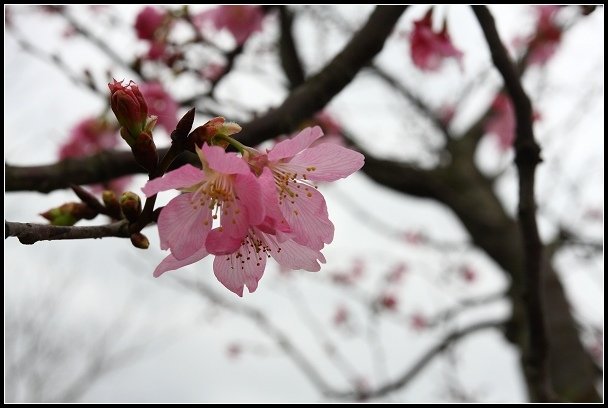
pixel 501 123
pixel 266 204
pixel 152 25
pixel 419 322
pixel 547 36
pixel 240 21
pixel 428 48
pixel 161 104
pixel 90 136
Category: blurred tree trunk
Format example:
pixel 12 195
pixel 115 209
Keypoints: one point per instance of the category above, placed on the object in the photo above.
pixel 470 195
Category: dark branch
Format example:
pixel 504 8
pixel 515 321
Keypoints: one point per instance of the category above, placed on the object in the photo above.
pixel 302 103
pixel 527 156
pixel 290 60
pixel 29 233
pixel 318 90
pixel 407 376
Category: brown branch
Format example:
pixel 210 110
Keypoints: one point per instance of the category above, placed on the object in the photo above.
pixel 302 103
pixel 29 233
pixel 407 376
pixel 290 60
pixel 275 332
pixel 527 156
pixel 319 89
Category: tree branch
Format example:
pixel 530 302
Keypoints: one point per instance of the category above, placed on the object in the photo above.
pixel 527 156
pixel 407 376
pixel 29 233
pixel 290 60
pixel 302 103
pixel 319 89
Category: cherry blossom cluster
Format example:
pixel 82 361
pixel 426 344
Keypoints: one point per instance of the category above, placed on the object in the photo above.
pixel 244 207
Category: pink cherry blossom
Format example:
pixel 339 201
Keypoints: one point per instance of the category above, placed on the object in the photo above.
pixel 225 188
pixel 547 36
pixel 428 48
pixel 148 20
pixel 468 274
pixel 240 21
pixel 419 321
pixel 266 204
pixel 294 165
pixel 161 104
pixel 90 136
pixel 388 301
pixel 501 123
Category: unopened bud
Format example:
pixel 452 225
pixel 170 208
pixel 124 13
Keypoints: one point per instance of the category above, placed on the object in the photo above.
pixel 130 204
pixel 69 214
pixel 129 106
pixel 140 241
pixel 214 127
pixel 111 203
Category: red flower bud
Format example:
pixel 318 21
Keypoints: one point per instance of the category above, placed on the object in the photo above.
pixel 129 106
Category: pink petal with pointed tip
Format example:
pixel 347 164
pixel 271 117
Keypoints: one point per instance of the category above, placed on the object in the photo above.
pixel 222 162
pixel 307 216
pixel 171 264
pixel 235 273
pixel 181 226
pixel 293 255
pixel 185 176
pixel 290 147
pixel 327 162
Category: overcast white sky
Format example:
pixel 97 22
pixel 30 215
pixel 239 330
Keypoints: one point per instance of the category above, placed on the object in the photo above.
pixel 75 291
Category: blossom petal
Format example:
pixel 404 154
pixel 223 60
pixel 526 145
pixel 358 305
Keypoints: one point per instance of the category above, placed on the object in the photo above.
pixel 220 242
pixel 217 159
pixel 235 271
pixel 293 255
pixel 274 220
pixel 183 225
pixel 306 214
pixel 170 263
pixel 249 197
pixel 327 162
pixel 185 176
pixel 290 147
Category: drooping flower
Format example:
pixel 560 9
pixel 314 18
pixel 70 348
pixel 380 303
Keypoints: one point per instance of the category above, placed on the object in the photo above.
pixel 266 204
pixel 161 104
pixel 244 266
pixel 428 48
pixel 224 188
pixel 547 36
pixel 240 21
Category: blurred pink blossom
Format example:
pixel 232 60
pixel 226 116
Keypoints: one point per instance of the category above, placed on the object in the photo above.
pixel 240 21
pixel 91 136
pixel 547 36
pixel 428 48
pixel 161 104
pixel 419 322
